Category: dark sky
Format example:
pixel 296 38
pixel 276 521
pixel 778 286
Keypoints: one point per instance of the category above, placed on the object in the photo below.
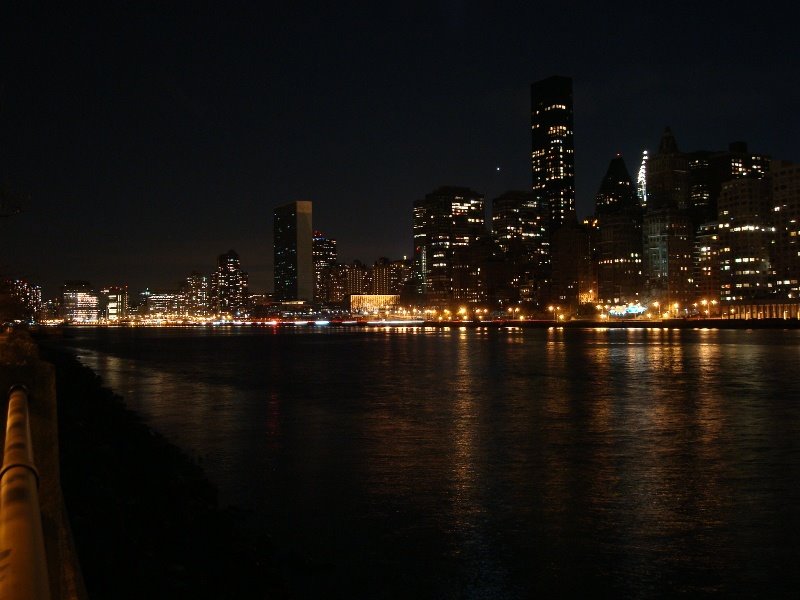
pixel 145 141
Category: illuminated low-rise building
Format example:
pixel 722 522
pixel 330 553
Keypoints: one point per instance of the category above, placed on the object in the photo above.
pixel 164 304
pixel 372 304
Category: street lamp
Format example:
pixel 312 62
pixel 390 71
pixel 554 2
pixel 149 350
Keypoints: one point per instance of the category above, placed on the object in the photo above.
pixel 555 310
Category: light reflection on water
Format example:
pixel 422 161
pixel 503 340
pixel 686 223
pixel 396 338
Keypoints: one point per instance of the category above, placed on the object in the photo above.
pixel 452 462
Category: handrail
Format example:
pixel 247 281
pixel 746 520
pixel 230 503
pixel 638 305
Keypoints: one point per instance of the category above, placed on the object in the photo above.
pixel 23 564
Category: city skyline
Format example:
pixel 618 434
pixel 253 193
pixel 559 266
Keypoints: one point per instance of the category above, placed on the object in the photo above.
pixel 142 143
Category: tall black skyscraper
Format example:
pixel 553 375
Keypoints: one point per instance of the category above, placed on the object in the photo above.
pixel 552 147
pixel 293 254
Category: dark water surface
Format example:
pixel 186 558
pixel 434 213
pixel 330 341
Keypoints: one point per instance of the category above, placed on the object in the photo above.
pixel 447 463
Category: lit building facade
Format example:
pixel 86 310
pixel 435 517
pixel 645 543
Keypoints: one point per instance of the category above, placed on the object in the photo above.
pixel 164 303
pixel 641 181
pixel 447 220
pixel 708 171
pixel 197 295
pixel 324 253
pixel 229 290
pixel 28 298
pixel 706 262
pixel 520 226
pixel 519 223
pixel 785 186
pixel 293 252
pixel 115 303
pixel 746 236
pixel 79 303
pixel 553 148
pixel 389 276
pixel 371 304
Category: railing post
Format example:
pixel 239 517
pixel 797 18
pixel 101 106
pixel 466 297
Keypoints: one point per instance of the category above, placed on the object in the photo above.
pixel 23 565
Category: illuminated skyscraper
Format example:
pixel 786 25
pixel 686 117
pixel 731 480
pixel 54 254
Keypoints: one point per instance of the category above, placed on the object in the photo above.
pixel 229 286
pixel 641 182
pixel 324 251
pixel 552 148
pixel 196 295
pixel 520 226
pixel 293 252
pixel 445 221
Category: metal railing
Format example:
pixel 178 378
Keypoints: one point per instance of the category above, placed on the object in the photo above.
pixel 23 564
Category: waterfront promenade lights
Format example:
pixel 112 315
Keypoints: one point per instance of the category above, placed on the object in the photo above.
pixel 675 308
pixel 556 310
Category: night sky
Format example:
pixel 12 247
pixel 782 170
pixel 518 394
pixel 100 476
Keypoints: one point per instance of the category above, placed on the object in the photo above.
pixel 145 141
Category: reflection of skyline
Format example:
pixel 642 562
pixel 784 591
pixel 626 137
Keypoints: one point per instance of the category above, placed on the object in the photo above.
pixel 648 454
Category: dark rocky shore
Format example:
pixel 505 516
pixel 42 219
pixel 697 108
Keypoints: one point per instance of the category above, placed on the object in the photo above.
pixel 145 519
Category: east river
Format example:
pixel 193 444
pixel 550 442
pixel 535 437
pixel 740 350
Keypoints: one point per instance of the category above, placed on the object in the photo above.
pixel 489 463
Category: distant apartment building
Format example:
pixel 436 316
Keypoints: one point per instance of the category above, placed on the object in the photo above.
pixel 785 187
pixel 746 239
pixel 706 263
pixel 229 289
pixel 445 222
pixel 520 225
pixel 324 253
pixel 196 291
pixel 708 171
pixel 388 277
pixel 27 299
pixel 293 251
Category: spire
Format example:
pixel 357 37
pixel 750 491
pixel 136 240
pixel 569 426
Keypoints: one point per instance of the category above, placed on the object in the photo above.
pixel 616 189
pixel 668 144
